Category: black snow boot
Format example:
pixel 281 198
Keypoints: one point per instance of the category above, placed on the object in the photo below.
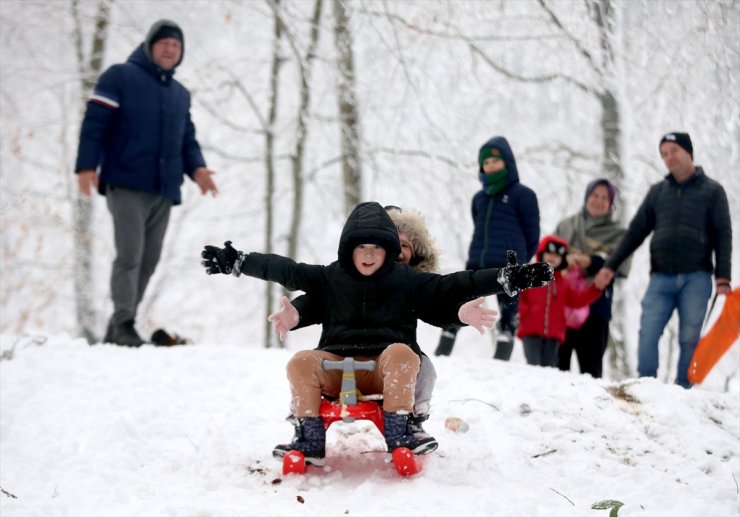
pixel 446 341
pixel 108 338
pixel 125 334
pixel 309 439
pixel 398 433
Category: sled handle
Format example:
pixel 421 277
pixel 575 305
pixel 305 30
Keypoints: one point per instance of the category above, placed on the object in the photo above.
pixel 348 365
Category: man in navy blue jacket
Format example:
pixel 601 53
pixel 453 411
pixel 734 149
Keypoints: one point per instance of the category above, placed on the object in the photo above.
pixel 137 130
pixel 506 216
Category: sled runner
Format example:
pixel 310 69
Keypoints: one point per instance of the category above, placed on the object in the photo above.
pixel 718 340
pixel 349 408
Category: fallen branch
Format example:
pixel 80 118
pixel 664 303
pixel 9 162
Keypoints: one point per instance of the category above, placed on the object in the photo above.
pixel 544 453
pixel 561 495
pixel 7 493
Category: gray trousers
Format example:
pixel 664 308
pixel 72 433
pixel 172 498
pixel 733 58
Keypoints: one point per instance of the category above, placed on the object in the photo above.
pixel 425 381
pixel 139 224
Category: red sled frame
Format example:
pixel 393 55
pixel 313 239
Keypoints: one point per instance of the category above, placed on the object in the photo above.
pixel 348 409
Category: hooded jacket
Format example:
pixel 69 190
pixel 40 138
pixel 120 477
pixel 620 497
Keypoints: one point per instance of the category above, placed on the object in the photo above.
pixel 362 315
pixel 137 127
pixel 425 260
pixel 507 220
pixel 542 309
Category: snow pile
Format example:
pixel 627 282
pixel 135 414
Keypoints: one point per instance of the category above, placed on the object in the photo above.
pixel 104 431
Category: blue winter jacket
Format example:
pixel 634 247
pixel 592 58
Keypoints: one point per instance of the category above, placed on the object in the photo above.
pixel 137 127
pixel 508 220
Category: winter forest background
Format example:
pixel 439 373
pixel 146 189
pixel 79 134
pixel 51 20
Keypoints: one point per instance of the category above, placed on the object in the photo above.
pixel 306 107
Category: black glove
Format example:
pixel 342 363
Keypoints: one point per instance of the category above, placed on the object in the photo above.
pixel 220 260
pixel 514 277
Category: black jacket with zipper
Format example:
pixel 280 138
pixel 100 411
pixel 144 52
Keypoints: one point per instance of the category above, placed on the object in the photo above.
pixel 689 221
pixel 362 315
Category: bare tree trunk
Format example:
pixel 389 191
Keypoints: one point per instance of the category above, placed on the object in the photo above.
pixel 89 70
pixel 269 159
pixel 349 118
pixel 302 131
pixel 604 17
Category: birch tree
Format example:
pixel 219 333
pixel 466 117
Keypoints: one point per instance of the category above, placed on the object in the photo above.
pixel 89 67
pixel 349 117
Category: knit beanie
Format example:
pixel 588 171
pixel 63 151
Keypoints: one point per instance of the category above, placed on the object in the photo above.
pixel 611 189
pixel 683 140
pixel 166 31
pixel 556 245
pixel 487 152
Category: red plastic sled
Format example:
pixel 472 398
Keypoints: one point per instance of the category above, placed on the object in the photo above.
pixel 718 340
pixel 348 409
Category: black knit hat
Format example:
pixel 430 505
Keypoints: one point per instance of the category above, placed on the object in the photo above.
pixel 683 140
pixel 166 32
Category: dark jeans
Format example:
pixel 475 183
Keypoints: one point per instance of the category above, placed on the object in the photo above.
pixel 139 222
pixel 506 327
pixel 541 351
pixel 589 343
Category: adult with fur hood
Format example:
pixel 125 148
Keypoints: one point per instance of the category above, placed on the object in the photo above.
pixel 137 130
pixel 506 216
pixel 593 234
pixel 419 251
pixel 371 308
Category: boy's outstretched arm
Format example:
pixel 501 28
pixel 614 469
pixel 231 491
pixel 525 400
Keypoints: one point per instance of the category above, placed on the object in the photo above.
pixel 219 260
pixel 515 277
pixel 271 267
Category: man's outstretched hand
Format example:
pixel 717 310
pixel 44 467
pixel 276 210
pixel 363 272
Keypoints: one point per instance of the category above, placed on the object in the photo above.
pixel 219 260
pixel 474 314
pixel 285 319
pixel 515 277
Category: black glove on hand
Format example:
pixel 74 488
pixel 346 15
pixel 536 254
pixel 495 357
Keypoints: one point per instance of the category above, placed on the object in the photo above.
pixel 514 277
pixel 220 260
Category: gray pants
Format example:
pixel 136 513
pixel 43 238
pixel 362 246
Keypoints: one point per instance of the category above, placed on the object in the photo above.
pixel 139 223
pixel 425 381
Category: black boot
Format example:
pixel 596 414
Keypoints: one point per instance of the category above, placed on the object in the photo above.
pixel 415 427
pixel 125 334
pixel 446 341
pixel 397 434
pixel 108 338
pixel 309 439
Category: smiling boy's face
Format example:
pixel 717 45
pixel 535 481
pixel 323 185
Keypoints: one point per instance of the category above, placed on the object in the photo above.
pixel 368 258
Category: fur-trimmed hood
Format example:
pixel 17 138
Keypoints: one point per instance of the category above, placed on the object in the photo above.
pixel 426 253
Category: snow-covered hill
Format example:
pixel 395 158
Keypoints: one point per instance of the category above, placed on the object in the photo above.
pixel 187 431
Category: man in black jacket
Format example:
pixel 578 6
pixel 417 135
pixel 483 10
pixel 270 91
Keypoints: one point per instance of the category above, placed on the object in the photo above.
pixel 689 216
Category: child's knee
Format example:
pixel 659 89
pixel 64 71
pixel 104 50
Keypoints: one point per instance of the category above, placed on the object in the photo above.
pixel 399 353
pixel 302 364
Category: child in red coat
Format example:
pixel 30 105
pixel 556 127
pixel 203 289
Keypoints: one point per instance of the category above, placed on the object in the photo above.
pixel 542 310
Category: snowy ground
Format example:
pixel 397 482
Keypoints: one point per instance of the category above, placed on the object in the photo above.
pixel 110 431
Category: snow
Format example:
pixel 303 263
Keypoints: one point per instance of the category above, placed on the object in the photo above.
pixel 111 431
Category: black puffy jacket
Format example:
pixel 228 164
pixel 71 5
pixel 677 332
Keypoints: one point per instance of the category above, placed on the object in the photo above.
pixel 363 315
pixel 689 221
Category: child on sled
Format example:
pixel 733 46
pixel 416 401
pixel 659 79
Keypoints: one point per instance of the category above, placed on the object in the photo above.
pixel 372 305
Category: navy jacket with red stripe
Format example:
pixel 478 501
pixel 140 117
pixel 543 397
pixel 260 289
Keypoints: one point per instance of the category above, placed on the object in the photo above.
pixel 137 128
